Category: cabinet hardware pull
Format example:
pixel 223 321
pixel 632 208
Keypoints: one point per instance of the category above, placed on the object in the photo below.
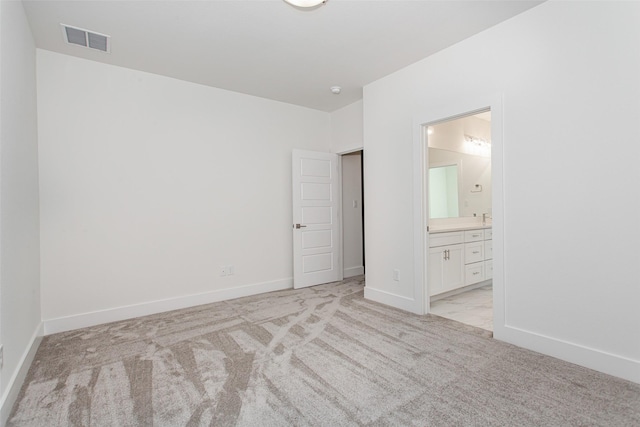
pixel 476 252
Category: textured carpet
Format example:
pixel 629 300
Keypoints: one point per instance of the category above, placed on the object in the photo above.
pixel 320 356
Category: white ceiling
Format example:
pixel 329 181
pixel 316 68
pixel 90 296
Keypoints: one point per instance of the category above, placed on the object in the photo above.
pixel 268 48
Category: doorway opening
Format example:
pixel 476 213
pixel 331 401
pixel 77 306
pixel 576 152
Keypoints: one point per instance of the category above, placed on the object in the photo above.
pixel 459 200
pixel 426 236
pixel 353 214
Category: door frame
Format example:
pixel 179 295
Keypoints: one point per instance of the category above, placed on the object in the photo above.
pixel 437 114
pixel 341 211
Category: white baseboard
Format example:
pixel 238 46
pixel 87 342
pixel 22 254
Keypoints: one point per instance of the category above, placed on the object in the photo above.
pixel 397 301
pixel 17 378
pixel 598 360
pixel 459 290
pixel 353 271
pixel 62 324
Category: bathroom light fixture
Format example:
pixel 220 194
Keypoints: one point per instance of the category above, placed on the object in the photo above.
pixel 477 146
pixel 479 142
pixel 306 3
pixel 429 130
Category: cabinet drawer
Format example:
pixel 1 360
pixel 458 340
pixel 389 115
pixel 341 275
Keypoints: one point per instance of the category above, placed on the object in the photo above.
pixel 488 249
pixel 474 273
pixel 488 233
pixel 488 270
pixel 473 235
pixel 473 252
pixel 442 239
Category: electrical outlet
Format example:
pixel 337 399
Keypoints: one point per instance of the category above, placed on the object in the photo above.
pixel 223 270
pixel 230 270
pixel 396 275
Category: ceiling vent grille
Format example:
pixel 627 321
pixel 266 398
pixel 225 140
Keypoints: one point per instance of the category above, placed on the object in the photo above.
pixel 86 38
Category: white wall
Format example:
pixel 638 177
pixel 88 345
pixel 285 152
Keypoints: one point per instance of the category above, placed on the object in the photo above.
pixel 346 128
pixel 571 106
pixel 19 223
pixel 352 215
pixel 150 184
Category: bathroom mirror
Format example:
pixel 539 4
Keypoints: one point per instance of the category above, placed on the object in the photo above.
pixel 459 159
pixel 459 184
pixel 443 191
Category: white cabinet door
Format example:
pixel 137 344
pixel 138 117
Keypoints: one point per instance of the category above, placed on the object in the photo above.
pixel 446 268
pixel 454 268
pixel 436 270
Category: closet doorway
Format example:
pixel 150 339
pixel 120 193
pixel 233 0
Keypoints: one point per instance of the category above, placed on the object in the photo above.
pixel 353 214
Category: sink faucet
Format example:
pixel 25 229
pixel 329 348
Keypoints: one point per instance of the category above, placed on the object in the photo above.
pixel 484 218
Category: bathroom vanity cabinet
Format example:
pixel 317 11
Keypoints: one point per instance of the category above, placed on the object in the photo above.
pixel 446 268
pixel 458 259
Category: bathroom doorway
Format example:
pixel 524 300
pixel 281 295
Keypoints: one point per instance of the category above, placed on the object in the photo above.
pixel 426 238
pixel 458 191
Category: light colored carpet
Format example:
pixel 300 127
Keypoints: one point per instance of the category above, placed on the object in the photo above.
pixel 320 356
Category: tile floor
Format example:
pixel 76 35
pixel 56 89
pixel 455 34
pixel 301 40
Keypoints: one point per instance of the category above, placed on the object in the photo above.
pixel 474 307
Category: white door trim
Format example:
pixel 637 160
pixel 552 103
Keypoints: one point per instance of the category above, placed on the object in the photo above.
pixel 434 115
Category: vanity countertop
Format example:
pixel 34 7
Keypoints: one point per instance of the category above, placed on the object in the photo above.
pixel 457 227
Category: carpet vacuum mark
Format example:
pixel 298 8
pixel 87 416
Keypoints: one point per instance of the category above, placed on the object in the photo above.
pixel 320 356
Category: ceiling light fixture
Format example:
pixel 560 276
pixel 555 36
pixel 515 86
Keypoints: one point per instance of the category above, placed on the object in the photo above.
pixel 336 90
pixel 306 3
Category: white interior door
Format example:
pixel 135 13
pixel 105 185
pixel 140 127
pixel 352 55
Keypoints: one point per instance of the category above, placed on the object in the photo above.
pixel 316 230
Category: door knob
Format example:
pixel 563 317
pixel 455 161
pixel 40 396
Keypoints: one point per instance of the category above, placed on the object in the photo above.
pixel 299 226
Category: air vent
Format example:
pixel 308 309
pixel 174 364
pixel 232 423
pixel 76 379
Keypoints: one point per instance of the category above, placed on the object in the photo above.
pixel 86 38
